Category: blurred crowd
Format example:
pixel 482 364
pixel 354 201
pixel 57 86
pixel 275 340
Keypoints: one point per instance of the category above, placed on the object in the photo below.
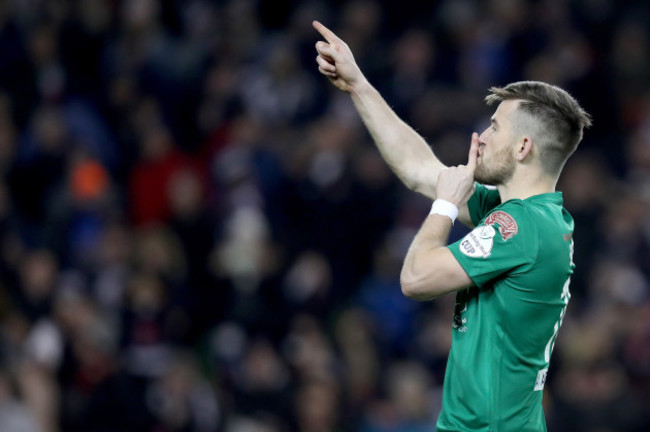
pixel 197 233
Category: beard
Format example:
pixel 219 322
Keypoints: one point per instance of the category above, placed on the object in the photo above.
pixel 497 170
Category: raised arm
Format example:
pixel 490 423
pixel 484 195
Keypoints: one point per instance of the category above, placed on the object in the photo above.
pixel 405 151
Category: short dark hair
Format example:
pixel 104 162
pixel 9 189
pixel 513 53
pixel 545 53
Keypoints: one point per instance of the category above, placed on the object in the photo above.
pixel 558 117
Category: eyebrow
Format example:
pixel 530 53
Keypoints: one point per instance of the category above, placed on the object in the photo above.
pixel 494 121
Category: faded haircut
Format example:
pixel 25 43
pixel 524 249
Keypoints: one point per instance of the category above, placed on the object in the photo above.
pixel 552 117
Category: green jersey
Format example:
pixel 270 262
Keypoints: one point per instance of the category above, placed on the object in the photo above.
pixel 520 259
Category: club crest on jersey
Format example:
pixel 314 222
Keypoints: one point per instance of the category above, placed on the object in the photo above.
pixel 507 224
pixel 478 243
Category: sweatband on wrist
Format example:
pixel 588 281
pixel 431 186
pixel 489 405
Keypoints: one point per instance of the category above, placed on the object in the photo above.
pixel 445 208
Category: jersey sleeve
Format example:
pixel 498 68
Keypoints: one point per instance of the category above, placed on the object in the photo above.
pixel 504 243
pixel 481 202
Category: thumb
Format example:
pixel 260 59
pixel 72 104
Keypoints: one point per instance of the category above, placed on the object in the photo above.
pixel 473 153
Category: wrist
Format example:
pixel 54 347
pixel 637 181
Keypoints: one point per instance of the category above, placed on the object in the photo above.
pixel 361 86
pixel 445 208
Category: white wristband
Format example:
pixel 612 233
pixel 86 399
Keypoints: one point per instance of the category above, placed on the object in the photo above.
pixel 445 208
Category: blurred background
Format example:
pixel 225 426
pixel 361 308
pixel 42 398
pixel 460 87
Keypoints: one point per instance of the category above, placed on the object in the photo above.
pixel 197 234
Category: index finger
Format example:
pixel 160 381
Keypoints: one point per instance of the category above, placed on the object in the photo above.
pixel 325 32
pixel 472 157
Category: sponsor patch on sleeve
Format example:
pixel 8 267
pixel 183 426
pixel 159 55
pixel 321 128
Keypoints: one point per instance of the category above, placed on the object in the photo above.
pixel 507 225
pixel 478 243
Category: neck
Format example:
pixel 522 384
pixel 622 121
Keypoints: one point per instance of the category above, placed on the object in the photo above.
pixel 525 184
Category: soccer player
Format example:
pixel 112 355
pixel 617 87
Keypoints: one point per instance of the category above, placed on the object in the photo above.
pixel 512 271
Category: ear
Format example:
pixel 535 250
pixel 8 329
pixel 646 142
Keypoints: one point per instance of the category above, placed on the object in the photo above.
pixel 524 148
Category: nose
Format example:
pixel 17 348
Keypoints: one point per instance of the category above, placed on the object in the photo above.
pixel 482 139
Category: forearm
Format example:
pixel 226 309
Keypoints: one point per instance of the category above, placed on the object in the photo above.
pixel 419 271
pixel 405 151
pixel 430 269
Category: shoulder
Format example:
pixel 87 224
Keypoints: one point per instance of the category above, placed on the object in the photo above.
pixel 513 219
pixel 505 241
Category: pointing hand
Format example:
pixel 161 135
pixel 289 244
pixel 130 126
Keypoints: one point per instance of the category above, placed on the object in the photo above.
pixel 335 60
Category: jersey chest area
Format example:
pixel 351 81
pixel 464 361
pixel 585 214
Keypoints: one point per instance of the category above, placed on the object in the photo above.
pixel 473 308
pixel 480 312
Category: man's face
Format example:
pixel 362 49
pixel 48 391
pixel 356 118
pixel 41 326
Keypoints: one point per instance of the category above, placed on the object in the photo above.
pixel 496 161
